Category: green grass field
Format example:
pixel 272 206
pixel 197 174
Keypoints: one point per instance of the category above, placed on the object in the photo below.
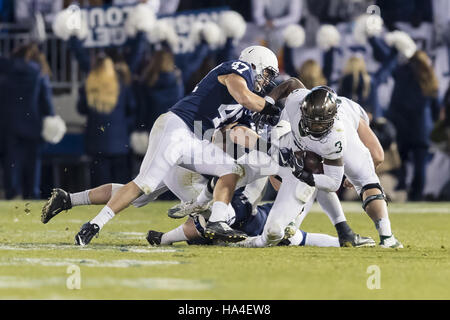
pixel 34 259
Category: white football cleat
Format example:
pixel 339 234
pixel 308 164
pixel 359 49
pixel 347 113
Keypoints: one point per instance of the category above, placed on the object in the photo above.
pixel 390 242
pixel 184 209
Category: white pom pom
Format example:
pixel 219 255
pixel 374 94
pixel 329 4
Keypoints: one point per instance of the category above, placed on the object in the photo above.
pixel 140 18
pixel 294 36
pixel 53 129
pixel 69 22
pixel 402 42
pixel 367 26
pixel 212 34
pixel 232 24
pixel 327 37
pixel 164 31
pixel 139 142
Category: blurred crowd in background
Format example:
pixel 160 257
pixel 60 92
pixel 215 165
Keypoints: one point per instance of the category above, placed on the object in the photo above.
pixel 82 82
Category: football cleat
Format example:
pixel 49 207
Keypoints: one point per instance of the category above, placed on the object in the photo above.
pixel 219 230
pixel 58 201
pixel 154 237
pixel 390 242
pixel 289 231
pixel 355 240
pixel 284 243
pixel 87 232
pixel 184 209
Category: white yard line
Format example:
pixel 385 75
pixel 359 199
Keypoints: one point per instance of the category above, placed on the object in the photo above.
pixel 10 282
pixel 55 262
pixel 34 247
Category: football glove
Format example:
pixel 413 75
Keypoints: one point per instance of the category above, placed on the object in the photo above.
pixel 287 158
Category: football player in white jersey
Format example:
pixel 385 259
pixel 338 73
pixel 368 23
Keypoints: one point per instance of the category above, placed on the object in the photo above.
pixel 352 126
pixel 314 127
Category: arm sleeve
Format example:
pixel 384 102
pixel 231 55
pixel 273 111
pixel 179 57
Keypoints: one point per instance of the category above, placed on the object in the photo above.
pixel 328 61
pixel 131 108
pixel 143 107
pixel 227 53
pixel 293 16
pixel 381 50
pixel 82 106
pixel 80 53
pixel 386 69
pixel 288 60
pixel 435 109
pixel 137 51
pixel 331 178
pixel 45 97
pixel 189 63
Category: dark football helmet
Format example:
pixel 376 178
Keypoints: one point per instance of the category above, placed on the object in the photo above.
pixel 318 111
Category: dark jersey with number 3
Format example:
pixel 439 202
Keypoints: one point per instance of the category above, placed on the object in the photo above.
pixel 210 105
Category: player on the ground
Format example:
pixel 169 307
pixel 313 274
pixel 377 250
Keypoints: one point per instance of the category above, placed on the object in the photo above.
pixel 243 217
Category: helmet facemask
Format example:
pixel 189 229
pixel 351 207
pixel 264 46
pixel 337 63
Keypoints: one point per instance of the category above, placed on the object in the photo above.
pixel 265 79
pixel 318 113
pixel 316 128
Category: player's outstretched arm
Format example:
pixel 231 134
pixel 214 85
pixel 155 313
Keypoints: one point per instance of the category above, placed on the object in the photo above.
pixel 285 88
pixel 370 140
pixel 237 87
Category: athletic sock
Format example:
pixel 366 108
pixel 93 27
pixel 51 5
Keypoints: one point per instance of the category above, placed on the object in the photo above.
pixel 321 240
pixel 296 239
pixel 330 203
pixel 218 212
pixel 383 226
pixel 103 217
pixel 80 198
pixel 343 229
pixel 174 235
pixel 204 196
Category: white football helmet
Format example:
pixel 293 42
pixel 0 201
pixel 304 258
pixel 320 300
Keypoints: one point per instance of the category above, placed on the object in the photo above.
pixel 264 63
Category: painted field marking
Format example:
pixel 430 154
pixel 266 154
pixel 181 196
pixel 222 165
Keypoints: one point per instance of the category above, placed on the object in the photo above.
pixel 11 282
pixel 55 262
pixel 41 246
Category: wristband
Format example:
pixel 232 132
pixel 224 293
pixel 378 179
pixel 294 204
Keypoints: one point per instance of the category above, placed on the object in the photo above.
pixel 269 99
pixel 270 109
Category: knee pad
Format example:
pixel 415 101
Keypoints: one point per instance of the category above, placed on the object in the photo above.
pixel 369 199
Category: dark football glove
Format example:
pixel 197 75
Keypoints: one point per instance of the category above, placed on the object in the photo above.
pixel 287 158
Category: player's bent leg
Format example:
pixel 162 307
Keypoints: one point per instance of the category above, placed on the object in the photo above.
pixel 375 205
pixel 121 199
pixel 169 140
pixel 61 200
pixel 330 203
pixel 191 230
